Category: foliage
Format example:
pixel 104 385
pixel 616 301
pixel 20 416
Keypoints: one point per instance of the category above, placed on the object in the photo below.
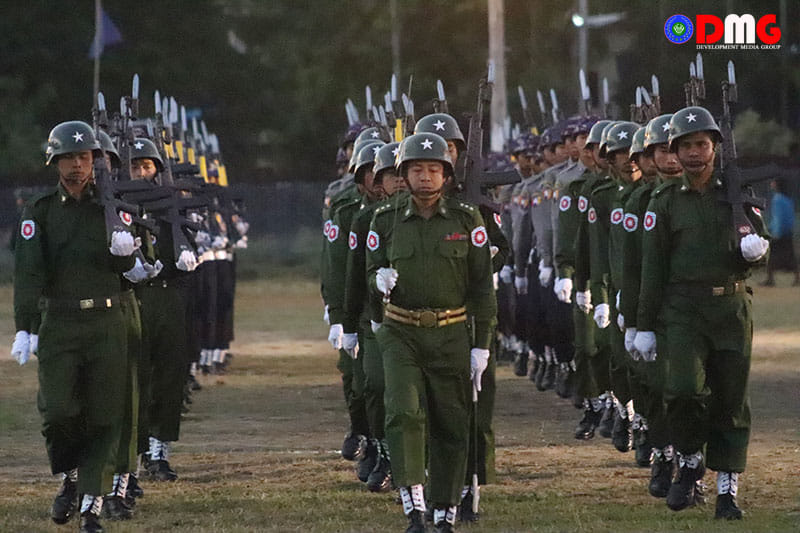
pixel 756 137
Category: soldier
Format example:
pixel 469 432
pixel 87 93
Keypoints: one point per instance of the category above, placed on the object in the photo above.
pixel 64 259
pixel 165 357
pixel 693 294
pixel 429 259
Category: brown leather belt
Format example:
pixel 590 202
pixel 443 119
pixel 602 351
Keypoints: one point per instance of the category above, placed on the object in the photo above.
pixel 727 289
pixel 87 304
pixel 425 318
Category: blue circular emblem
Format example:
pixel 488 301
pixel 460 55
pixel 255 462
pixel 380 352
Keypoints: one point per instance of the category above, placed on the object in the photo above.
pixel 678 29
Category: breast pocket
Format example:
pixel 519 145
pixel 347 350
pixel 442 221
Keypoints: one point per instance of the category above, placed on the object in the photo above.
pixel 454 249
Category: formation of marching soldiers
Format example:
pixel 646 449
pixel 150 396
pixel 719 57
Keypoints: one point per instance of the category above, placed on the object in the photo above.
pixel 620 254
pixel 123 287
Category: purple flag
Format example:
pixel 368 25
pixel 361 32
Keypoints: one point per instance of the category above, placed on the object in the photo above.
pixel 110 35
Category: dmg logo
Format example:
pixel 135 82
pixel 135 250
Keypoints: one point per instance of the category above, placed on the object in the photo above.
pixel 734 30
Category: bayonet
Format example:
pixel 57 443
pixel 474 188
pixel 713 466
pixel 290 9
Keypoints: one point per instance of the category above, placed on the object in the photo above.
pixel 586 95
pixel 440 103
pixel 527 115
pixel 606 101
pixel 555 110
pixel 368 94
pixel 542 108
pixel 656 94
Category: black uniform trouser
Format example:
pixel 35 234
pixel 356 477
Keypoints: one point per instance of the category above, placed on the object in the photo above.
pixel 562 328
pixel 538 332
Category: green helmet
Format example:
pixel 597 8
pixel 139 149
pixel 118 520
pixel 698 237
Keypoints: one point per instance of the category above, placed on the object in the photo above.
pixel 604 137
pixel 595 134
pixel 620 136
pixel 385 158
pixel 72 136
pixel 357 146
pixel 444 126
pixel 371 134
pixel 690 120
pixel 657 131
pixel 143 148
pixel 424 146
pixel 637 146
pixel 366 158
pixel 109 148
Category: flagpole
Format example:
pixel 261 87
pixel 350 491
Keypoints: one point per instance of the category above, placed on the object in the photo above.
pixel 98 35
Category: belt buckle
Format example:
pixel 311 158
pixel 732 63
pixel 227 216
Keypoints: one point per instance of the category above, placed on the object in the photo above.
pixel 88 303
pixel 718 291
pixel 427 319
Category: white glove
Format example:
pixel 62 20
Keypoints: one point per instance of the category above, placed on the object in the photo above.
pixel 154 269
pixel 563 290
pixel 493 250
pixel 617 305
pixel 219 242
pixel 521 284
pixel 203 239
pixel 754 247
pixel 584 301
pixel 645 344
pixel 602 314
pixel 386 279
pixel 123 244
pixel 630 335
pixel 478 361
pixel 187 261
pixel 241 243
pixel 620 322
pixel 325 317
pixel 545 274
pixel 506 273
pixel 530 255
pixel 21 349
pixel 375 326
pixel 242 227
pixel 335 336
pixel 137 273
pixel 34 349
pixel 350 344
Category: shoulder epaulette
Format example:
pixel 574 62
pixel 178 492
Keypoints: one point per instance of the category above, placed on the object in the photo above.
pixel 664 186
pixel 605 187
pixel 384 208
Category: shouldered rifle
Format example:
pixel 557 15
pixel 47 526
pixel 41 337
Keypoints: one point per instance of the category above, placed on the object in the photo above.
pixel 474 182
pixel 731 172
pixel 557 114
pixel 542 108
pixel 527 115
pixel 695 88
pixel 655 94
pixel 586 94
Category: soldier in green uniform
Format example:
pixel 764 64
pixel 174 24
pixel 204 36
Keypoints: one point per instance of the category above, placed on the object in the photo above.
pixel 605 216
pixel 693 293
pixel 429 258
pixel 64 260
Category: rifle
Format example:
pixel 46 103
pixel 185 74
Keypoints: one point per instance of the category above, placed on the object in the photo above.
pixel 557 114
pixel 474 182
pixel 440 103
pixel 542 108
pixel 586 95
pixel 655 94
pixel 397 110
pixel 695 88
pixel 606 102
pixel 730 168
pixel 369 114
pixel 527 115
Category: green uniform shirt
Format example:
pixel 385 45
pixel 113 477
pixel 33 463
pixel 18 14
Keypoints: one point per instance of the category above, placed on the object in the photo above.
pixel 63 253
pixel 568 221
pixel 442 262
pixel 689 239
pixel 582 252
pixel 339 197
pixel 356 300
pixel 334 281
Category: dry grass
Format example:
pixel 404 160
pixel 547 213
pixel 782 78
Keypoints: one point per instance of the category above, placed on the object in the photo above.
pixel 259 449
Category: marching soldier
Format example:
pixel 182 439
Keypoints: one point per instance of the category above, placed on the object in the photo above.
pixel 695 309
pixel 64 259
pixel 429 259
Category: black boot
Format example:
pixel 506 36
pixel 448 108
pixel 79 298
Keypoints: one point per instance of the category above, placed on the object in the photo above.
pixel 444 527
pixel 563 377
pixel 588 423
pixel 606 425
pixel 380 479
pixel 115 508
pixel 90 523
pixel 533 366
pixel 367 463
pixel 161 471
pixel 640 442
pixel 134 489
pixel 541 372
pixel 465 512
pixel 520 364
pixel 549 380
pixel 682 491
pixel 727 508
pixel 661 471
pixel 416 522
pixel 622 433
pixel 354 446
pixel 65 502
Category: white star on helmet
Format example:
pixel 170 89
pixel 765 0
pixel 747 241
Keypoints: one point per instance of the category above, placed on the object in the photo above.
pixel 396 151
pixel 78 137
pixel 375 134
pixel 622 135
pixel 691 117
pixel 375 149
pixel 427 144
pixel 665 126
pixel 139 145
pixel 439 125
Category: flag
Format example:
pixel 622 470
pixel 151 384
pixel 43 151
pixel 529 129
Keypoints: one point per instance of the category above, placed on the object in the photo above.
pixel 105 35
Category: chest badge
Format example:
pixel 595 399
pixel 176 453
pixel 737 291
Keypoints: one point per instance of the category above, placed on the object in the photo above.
pixel 27 229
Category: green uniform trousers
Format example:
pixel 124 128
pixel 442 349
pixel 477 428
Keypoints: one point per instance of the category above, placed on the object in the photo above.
pixel 372 364
pixel 430 364
pixel 126 455
pixel 163 368
pixel 485 438
pixel 591 355
pixel 708 344
pixel 82 384
pixel 620 362
pixel 647 389
pixel 353 385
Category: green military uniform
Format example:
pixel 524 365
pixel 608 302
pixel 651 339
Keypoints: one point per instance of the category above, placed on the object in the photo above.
pixel 693 296
pixel 63 258
pixel 443 263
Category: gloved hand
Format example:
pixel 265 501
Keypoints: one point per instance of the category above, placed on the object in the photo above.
pixel 325 317
pixel 754 247
pixel 219 242
pixel 630 335
pixel 187 261
pixel 154 269
pixel 21 349
pixel 493 250
pixel 242 227
pixel 563 290
pixel 34 349
pixel 335 335
pixel 545 274
pixel 506 274
pixel 350 344
pixel 602 316
pixel 521 284
pixel 620 322
pixel 241 243
pixel 645 344
pixel 375 326
pixel 203 239
pixel 386 279
pixel 123 244
pixel 137 273
pixel 584 301
pixel 478 361
pixel 617 304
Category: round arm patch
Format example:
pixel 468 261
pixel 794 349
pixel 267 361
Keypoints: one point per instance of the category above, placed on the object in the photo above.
pixel 373 241
pixel 352 240
pixel 649 221
pixel 479 236
pixel 631 222
pixel 27 229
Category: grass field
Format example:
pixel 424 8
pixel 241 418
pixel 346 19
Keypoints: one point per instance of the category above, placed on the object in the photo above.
pixel 259 449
